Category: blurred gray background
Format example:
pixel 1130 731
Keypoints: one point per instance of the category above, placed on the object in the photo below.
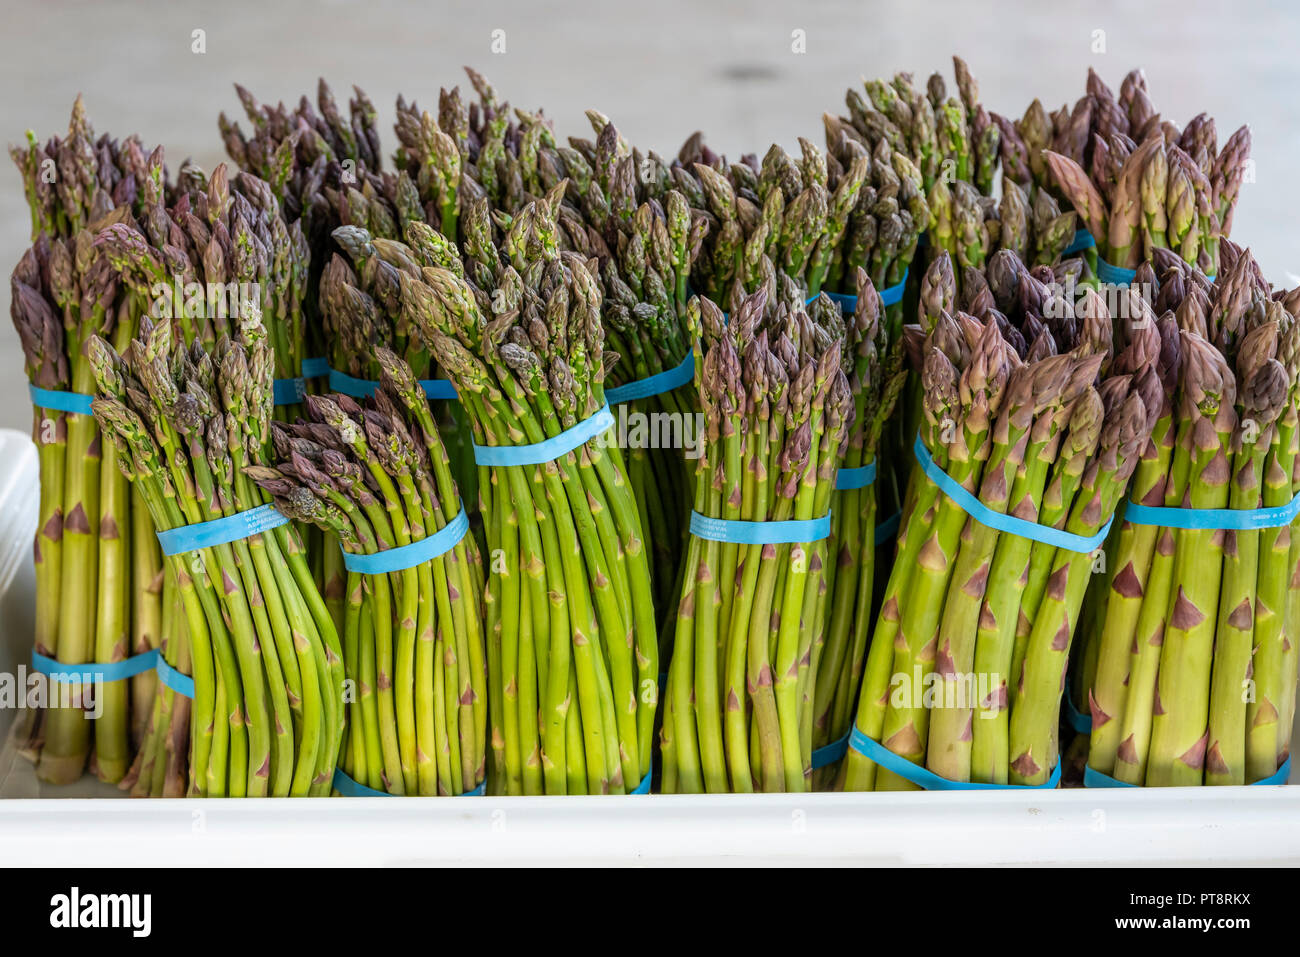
pixel 660 69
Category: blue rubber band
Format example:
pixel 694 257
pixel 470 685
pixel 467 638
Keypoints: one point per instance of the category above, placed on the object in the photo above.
pixel 439 389
pixel 977 510
pixel 1093 778
pixel 1114 275
pixel 656 384
pixel 289 391
pixel 95 673
pixel 416 553
pixel 1082 240
pixel 348 385
pixel 1080 722
pixel 365 388
pixel 220 531
pixel 888 528
pixel 315 367
pixel 548 450
pixel 859 477
pixel 346 786
pixel 1242 519
pixel 644 786
pixel 75 402
pixel 888 297
pixel 760 533
pixel 830 753
pixel 182 684
pixel 1118 275
pixel 926 778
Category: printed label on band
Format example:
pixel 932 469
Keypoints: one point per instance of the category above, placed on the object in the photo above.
pixel 655 384
pixel 859 477
pixel 548 450
pixel 760 533
pixel 76 402
pixel 977 510
pixel 416 553
pixel 220 531
pixel 288 391
pixel 1243 519
pixel 927 779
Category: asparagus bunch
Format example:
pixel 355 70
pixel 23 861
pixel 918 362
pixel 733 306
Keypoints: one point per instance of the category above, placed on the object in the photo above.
pixel 1138 182
pixel 211 249
pixel 815 218
pixel 888 216
pixel 267 714
pixel 949 139
pixel 378 477
pixel 98 569
pixel 1038 421
pixel 616 209
pixel 326 172
pixel 1192 676
pixel 612 203
pixel 572 657
pixel 872 363
pixel 740 708
pixel 308 157
pixel 293 150
pixel 360 298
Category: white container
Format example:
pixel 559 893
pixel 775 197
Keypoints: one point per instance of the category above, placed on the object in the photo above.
pixel 1248 825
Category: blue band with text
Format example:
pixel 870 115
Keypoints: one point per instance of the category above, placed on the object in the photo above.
pixel 548 450
pixel 416 553
pixel 977 510
pixel 1240 519
pixel 760 533
pixel 220 531
pixel 289 391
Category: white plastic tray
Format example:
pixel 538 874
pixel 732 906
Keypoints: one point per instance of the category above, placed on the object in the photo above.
pixel 74 826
